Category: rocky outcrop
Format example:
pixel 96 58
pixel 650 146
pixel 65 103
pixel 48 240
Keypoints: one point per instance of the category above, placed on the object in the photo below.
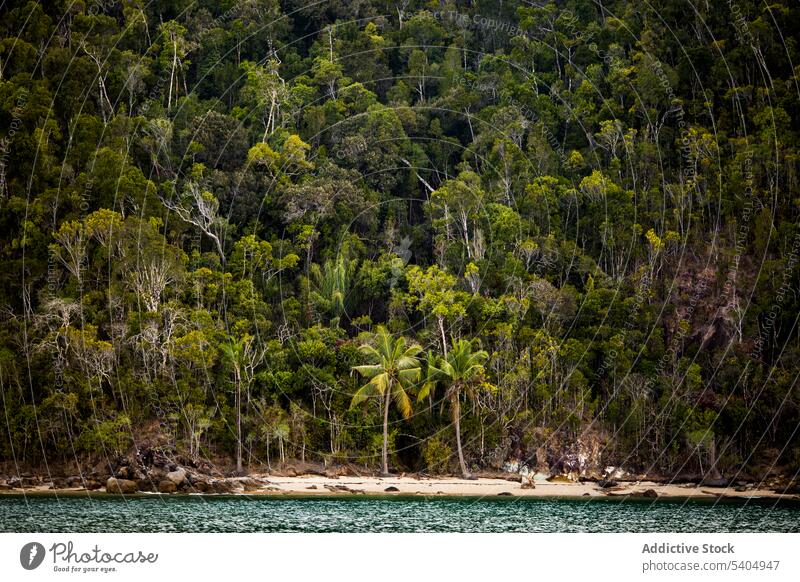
pixel 225 486
pixel 177 476
pixel 24 482
pixel 532 451
pixel 167 486
pixel 721 482
pixel 252 484
pixel 121 486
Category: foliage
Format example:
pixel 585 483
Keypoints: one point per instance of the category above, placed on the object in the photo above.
pixel 587 219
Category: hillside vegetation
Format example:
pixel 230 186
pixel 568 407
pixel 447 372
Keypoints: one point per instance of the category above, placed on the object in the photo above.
pixel 438 236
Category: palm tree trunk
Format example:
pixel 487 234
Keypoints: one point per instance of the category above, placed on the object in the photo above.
pixel 457 422
pixel 385 456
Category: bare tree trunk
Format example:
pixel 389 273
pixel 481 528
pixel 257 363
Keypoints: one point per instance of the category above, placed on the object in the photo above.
pixel 172 73
pixel 238 425
pixel 440 321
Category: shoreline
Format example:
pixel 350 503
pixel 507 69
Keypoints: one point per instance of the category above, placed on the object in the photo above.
pixel 442 487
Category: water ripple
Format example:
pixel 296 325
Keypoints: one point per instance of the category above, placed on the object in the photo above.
pixel 265 514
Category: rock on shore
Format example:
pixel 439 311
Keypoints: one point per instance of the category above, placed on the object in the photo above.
pixel 123 486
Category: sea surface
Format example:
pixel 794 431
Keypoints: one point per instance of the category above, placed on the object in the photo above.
pixel 194 513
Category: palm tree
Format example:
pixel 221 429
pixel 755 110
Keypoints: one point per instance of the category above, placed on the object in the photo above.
pixel 394 366
pixel 330 287
pixel 460 370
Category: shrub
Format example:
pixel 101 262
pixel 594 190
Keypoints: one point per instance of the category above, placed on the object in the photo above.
pixel 438 455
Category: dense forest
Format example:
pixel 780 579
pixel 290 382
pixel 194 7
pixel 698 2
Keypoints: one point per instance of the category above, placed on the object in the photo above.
pixel 442 236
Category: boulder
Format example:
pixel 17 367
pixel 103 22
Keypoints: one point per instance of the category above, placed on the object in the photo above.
pixel 251 484
pixel 505 494
pixel 24 482
pixel 692 478
pixel 76 481
pixel 225 486
pixel 177 476
pixel 606 483
pixel 570 477
pixel 156 474
pixel 391 489
pixel 651 493
pixel 167 486
pixel 121 486
pixel 60 483
pixel 124 473
pixel 200 486
pixel 617 473
pixel 715 482
pixel 789 489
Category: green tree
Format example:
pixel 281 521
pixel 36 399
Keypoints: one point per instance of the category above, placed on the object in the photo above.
pixel 394 367
pixel 433 292
pixel 461 371
pixel 331 285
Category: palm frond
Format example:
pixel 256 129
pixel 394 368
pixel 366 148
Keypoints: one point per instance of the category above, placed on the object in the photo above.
pixel 374 387
pixel 425 390
pixel 409 375
pixel 402 400
pixel 368 370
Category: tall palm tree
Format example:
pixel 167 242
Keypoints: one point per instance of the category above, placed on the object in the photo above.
pixel 460 370
pixel 394 366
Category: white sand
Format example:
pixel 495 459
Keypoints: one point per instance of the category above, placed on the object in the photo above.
pixel 317 485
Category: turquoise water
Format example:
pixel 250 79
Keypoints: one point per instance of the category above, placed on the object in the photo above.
pixel 103 513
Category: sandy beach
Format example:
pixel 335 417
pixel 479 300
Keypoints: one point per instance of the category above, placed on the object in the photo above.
pixel 318 485
pixel 456 487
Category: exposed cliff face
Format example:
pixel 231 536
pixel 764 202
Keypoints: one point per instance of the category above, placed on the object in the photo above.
pixel 580 457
